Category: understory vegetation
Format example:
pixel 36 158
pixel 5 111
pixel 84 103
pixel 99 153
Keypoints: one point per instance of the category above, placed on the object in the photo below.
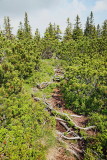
pixel 27 130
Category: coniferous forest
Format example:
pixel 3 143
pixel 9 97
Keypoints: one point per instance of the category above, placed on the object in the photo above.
pixel 53 91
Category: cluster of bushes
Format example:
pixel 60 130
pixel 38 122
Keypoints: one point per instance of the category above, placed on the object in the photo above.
pixel 85 89
pixel 26 130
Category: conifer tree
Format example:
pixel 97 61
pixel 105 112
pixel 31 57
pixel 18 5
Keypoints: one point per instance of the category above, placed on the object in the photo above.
pixel 27 27
pixel 90 29
pixel 92 26
pixel 53 32
pixel 50 32
pixel 104 29
pixel 7 28
pixel 87 26
pixel 57 32
pixel 37 35
pixel 98 31
pixel 20 32
pixel 68 31
pixel 77 32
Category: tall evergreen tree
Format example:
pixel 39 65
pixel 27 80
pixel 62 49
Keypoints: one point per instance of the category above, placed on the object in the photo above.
pixel 98 31
pixel 27 27
pixel 92 26
pixel 7 28
pixel 57 32
pixel 50 32
pixel 20 32
pixel 91 18
pixel 90 29
pixel 68 31
pixel 87 26
pixel 104 29
pixel 77 32
pixel 37 35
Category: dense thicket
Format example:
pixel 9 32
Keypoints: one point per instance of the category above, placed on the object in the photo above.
pixel 85 84
pixel 23 134
pixel 26 128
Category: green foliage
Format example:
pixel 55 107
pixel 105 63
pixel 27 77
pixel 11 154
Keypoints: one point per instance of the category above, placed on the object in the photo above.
pixel 26 130
pixel 77 32
pixel 68 31
pixel 85 85
pixel 50 42
pixel 8 28
pixel 90 29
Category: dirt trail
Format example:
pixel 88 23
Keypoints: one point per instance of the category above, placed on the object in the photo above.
pixel 56 101
pixel 71 149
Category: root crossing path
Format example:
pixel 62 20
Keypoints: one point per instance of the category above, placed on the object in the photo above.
pixel 68 126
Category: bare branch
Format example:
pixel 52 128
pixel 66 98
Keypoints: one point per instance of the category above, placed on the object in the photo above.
pixel 68 138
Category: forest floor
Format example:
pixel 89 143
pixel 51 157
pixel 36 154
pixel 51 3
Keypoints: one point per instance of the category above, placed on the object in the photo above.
pixel 65 149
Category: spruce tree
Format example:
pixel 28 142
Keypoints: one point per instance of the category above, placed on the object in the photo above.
pixel 68 31
pixel 57 32
pixel 87 26
pixel 90 29
pixel 7 28
pixel 77 32
pixel 27 27
pixel 98 31
pixel 50 32
pixel 104 29
pixel 20 32
pixel 37 35
pixel 93 32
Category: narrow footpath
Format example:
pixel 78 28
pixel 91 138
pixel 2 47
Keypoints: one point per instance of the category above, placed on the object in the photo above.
pixel 68 125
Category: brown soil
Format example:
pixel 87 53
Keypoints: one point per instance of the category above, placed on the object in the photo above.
pixel 59 127
pixel 80 121
pixel 57 102
pixel 59 153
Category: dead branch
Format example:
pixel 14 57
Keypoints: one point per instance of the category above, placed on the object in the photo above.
pixel 65 126
pixel 77 149
pixel 73 115
pixel 68 138
pixel 65 114
pixel 69 148
pixel 87 128
pixel 74 153
pixel 59 119
pixel 71 138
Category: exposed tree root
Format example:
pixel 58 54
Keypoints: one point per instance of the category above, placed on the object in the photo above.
pixel 67 116
pixel 68 138
pixel 87 128
pixel 70 126
pixel 65 126
pixel 59 119
pixel 73 115
pixel 73 150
